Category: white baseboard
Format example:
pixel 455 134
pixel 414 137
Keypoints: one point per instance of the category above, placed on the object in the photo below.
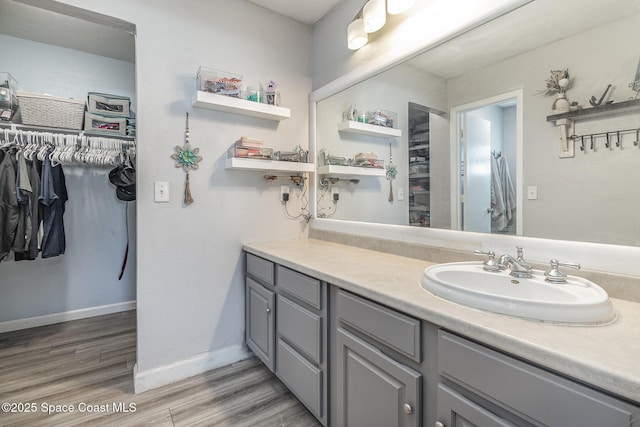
pixel 163 375
pixel 50 319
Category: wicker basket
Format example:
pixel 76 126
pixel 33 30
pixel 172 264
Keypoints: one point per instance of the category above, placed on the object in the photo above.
pixel 51 111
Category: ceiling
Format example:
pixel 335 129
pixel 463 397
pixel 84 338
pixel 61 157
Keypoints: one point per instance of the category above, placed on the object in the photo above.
pixel 528 27
pixel 28 22
pixel 305 11
pixel 22 20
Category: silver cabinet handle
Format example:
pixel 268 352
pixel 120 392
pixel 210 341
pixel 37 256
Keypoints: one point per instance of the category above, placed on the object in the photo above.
pixel 439 424
pixel 408 409
pixel 268 310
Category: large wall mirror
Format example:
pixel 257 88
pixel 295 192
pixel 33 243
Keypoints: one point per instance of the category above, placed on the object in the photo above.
pixel 478 98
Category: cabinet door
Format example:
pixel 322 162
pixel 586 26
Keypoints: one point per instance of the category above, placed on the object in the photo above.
pixel 373 389
pixel 454 410
pixel 260 330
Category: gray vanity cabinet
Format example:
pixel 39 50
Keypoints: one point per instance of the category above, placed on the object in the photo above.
pixel 492 387
pixel 373 387
pixel 286 314
pixel 301 350
pixel 260 304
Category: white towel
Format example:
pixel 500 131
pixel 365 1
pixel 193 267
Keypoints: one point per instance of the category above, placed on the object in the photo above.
pixel 508 192
pixel 503 195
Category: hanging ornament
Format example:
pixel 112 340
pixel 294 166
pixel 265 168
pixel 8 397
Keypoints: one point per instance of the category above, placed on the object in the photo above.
pixel 392 171
pixel 187 159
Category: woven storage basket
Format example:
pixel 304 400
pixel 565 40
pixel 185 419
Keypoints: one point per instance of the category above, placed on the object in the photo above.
pixel 51 111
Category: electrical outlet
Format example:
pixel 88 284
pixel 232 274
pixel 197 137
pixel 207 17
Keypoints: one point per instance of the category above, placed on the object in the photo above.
pixel 335 193
pixel 161 192
pixel 284 189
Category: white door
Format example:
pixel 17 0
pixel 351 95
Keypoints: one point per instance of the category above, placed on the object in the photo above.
pixel 476 135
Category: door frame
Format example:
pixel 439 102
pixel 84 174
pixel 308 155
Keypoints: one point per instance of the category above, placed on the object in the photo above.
pixel 454 132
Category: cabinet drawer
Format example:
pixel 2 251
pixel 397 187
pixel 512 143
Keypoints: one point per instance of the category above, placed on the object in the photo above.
pixel 300 327
pixel 304 379
pixel 260 269
pixel 526 389
pixel 397 330
pixel 305 288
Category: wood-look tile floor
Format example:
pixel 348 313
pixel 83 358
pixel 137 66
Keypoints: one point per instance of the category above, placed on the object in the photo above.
pixel 88 363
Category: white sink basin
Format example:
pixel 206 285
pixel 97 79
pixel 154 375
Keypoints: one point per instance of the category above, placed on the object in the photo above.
pixel 579 301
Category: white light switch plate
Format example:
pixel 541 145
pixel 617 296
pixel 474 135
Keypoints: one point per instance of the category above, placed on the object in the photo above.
pixel 161 192
pixel 532 193
pixel 400 194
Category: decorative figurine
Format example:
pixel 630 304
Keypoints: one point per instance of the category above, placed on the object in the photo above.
pixel 270 92
pixel 187 159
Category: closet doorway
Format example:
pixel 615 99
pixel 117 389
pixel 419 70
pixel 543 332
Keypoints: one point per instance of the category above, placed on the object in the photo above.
pixel 487 165
pixel 56 53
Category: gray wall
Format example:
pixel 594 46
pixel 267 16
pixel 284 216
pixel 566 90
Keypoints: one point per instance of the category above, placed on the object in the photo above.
pixel 190 268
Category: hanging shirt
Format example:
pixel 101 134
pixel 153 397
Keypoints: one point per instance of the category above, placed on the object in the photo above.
pixel 31 252
pixel 9 210
pixel 53 195
pixel 23 195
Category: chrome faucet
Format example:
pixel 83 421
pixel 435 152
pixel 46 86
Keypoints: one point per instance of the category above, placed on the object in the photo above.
pixel 518 267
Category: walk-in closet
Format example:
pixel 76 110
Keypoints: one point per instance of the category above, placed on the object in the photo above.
pixel 94 273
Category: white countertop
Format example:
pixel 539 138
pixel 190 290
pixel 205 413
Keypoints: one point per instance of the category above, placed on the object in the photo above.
pixel 607 357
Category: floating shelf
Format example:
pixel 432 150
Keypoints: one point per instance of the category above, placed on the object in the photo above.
pixel 350 126
pixel 228 104
pixel 603 110
pixel 351 170
pixel 237 163
pixel 418 175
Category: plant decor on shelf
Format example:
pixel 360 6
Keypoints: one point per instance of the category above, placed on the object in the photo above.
pixel 558 83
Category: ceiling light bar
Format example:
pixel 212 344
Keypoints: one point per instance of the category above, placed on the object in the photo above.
pixel 356 36
pixel 374 15
pixel 395 7
pixel 371 18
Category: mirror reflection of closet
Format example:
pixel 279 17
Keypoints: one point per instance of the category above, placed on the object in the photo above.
pixel 61 55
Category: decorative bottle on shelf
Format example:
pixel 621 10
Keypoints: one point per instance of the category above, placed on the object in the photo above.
pixel 561 104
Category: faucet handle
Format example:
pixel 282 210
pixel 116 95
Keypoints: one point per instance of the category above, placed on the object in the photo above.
pixel 520 257
pixel 554 275
pixel 490 264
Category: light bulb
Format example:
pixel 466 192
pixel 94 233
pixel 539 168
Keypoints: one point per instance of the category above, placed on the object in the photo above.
pixel 374 15
pixel 356 36
pixel 395 7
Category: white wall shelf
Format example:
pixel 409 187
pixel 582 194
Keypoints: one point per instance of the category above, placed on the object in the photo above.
pixel 350 170
pixel 228 104
pixel 237 163
pixel 370 130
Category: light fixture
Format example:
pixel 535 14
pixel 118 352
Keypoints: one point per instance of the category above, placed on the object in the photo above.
pixel 374 15
pixel 356 36
pixel 371 18
pixel 395 7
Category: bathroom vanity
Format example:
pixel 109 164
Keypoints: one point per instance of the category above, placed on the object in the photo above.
pixel 360 343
